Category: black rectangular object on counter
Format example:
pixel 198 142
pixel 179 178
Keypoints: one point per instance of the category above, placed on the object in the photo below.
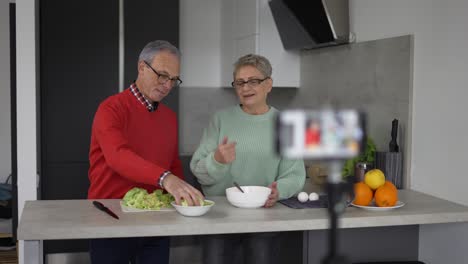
pixel 293 202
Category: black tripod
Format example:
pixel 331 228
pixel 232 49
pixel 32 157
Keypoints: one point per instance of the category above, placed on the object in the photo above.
pixel 336 205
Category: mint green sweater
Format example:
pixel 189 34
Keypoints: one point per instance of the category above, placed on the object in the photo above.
pixel 256 161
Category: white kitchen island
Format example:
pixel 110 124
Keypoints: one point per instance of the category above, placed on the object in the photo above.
pixel 79 219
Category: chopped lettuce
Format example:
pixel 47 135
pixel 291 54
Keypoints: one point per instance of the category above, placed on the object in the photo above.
pixel 141 199
pixel 206 203
pixel 202 203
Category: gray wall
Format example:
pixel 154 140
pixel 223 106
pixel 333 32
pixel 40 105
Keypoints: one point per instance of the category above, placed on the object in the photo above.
pixel 373 76
pixel 438 144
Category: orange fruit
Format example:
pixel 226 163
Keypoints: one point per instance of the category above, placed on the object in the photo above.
pixel 386 196
pixel 362 194
pixel 391 185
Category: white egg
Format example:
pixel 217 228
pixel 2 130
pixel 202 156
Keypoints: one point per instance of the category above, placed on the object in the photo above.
pixel 313 196
pixel 303 197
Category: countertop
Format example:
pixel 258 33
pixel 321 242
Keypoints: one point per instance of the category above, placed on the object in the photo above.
pixel 79 219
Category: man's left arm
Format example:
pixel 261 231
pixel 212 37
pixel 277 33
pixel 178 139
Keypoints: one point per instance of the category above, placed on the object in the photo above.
pixel 175 184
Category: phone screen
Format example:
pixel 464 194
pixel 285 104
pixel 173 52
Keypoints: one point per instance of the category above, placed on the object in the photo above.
pixel 324 134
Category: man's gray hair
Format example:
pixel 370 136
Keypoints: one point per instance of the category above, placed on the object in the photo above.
pixel 154 47
pixel 261 63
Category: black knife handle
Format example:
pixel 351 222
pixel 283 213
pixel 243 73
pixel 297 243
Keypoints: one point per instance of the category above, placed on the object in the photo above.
pixel 393 145
pixel 99 205
pixel 394 128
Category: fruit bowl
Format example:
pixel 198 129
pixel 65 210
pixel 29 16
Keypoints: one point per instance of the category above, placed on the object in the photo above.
pixel 373 207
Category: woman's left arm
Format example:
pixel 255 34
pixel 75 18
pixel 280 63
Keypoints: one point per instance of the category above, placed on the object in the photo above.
pixel 291 177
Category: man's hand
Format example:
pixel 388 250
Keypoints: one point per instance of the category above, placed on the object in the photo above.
pixel 181 190
pixel 225 152
pixel 274 195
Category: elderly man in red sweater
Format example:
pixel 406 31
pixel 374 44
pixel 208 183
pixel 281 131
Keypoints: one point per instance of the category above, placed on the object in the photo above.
pixel 134 143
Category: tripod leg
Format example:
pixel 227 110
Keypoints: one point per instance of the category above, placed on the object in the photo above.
pixel 336 206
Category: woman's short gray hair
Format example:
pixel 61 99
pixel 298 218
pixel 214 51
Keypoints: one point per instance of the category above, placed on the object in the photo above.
pixel 154 47
pixel 261 63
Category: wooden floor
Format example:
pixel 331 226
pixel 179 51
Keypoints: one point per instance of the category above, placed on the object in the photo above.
pixel 8 257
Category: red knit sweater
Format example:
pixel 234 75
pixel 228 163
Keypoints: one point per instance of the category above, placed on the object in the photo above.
pixel 131 147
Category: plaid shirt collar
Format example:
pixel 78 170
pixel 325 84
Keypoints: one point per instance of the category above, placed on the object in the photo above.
pixel 142 99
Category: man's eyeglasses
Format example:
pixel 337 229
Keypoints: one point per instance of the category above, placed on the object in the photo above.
pixel 251 83
pixel 163 78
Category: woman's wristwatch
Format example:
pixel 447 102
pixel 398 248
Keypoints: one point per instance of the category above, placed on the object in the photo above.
pixel 162 177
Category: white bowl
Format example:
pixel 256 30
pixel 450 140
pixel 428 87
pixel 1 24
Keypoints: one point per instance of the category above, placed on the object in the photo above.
pixel 253 196
pixel 193 210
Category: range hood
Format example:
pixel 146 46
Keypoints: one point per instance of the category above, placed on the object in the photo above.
pixel 309 24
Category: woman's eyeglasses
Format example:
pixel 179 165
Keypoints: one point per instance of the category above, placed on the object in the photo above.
pixel 251 83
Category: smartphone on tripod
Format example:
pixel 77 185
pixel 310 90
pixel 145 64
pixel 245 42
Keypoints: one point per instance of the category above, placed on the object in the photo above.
pixel 330 135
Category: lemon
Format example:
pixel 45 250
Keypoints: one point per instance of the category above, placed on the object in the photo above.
pixel 374 178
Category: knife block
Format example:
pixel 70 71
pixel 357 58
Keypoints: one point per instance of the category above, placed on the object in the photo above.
pixel 391 164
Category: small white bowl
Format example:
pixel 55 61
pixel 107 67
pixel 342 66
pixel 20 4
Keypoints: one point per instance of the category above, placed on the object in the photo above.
pixel 253 196
pixel 193 210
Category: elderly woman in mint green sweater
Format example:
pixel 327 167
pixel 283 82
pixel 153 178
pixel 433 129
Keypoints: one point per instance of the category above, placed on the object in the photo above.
pixel 238 145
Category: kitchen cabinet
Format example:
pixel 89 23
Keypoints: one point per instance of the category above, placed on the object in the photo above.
pixel 75 75
pixel 141 26
pixel 248 27
pixel 245 18
pixel 214 34
pixel 245 45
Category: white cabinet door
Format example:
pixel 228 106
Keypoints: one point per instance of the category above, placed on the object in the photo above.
pixel 250 28
pixel 246 45
pixel 245 18
pixel 285 64
pixel 200 31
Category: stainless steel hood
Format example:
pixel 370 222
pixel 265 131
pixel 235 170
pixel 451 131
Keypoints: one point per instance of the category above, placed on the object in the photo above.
pixel 308 24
